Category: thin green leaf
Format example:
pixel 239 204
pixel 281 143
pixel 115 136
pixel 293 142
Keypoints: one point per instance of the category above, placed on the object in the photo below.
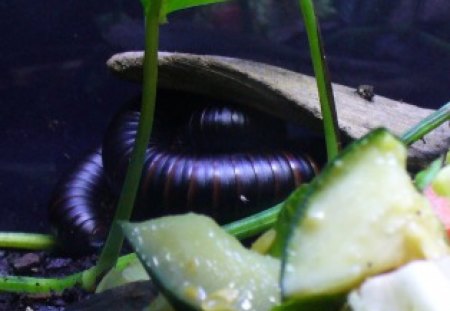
pixel 254 224
pixel 327 105
pixel 113 245
pixel 169 6
pixel 426 125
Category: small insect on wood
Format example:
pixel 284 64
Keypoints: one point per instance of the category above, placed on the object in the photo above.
pixel 366 91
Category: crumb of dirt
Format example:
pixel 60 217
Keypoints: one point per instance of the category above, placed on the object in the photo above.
pixel 26 263
pixel 42 302
pixel 41 264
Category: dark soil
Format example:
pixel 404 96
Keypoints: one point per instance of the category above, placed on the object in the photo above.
pixel 41 264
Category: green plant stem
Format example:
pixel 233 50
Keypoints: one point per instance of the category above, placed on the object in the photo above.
pixel 29 241
pixel 426 125
pixel 19 284
pixel 125 205
pixel 243 228
pixel 254 224
pixel 35 285
pixel 326 98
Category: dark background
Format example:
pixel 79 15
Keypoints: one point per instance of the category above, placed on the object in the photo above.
pixel 56 95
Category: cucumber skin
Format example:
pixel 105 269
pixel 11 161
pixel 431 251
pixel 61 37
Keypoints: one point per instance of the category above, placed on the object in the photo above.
pixel 262 286
pixel 321 181
pixel 282 225
pixel 323 303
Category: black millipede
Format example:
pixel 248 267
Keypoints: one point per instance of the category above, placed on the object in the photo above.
pixel 222 160
pixel 80 210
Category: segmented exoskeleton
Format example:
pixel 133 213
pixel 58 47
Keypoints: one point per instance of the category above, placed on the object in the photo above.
pixel 222 160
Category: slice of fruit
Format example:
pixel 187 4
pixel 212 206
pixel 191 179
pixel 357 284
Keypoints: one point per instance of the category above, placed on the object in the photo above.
pixel 435 183
pixel 118 276
pixel 420 286
pixel 198 266
pixel 440 205
pixel 362 216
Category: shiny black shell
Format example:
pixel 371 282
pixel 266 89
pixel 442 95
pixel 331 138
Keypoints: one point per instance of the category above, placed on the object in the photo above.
pixel 222 160
pixel 81 206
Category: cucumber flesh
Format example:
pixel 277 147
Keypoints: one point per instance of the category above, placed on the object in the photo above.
pixel 133 272
pixel 198 266
pixel 363 216
pixel 420 286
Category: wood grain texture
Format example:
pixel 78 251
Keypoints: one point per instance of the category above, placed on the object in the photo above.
pixel 287 94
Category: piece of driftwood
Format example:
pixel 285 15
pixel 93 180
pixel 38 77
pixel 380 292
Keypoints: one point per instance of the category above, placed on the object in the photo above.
pixel 289 95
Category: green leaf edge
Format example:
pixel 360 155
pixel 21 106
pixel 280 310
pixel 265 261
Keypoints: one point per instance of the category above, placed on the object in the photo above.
pixel 171 6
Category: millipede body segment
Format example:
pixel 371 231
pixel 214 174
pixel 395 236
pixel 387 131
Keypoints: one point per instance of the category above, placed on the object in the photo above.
pixel 223 160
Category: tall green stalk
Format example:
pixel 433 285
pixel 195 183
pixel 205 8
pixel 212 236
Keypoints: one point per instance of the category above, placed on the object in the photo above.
pixel 326 98
pixel 114 242
pixel 426 125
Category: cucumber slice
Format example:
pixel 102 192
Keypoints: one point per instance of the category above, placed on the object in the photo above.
pixel 362 216
pixel 421 285
pixel 198 266
pixel 118 276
